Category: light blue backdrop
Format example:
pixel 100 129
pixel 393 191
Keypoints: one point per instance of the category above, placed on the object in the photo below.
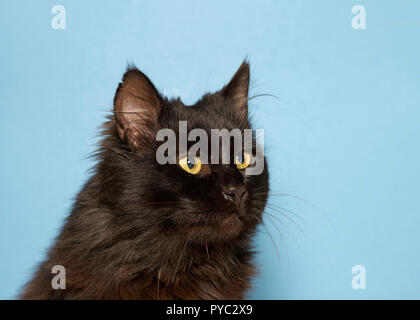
pixel 342 134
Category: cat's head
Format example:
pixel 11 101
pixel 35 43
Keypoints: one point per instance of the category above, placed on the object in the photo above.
pixel 202 199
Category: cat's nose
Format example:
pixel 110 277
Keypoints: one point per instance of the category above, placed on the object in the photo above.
pixel 236 194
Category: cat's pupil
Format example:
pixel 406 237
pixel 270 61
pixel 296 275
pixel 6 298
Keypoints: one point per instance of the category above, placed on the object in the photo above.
pixel 240 158
pixel 190 162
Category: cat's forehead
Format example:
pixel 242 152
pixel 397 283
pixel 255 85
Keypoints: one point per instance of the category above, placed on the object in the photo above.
pixel 207 115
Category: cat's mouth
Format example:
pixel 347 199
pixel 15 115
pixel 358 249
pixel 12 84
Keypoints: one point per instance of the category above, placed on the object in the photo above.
pixel 226 226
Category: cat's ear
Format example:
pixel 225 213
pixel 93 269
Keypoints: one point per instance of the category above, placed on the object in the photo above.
pixel 237 89
pixel 137 105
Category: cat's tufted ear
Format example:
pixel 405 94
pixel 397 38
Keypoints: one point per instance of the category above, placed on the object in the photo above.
pixel 137 106
pixel 237 89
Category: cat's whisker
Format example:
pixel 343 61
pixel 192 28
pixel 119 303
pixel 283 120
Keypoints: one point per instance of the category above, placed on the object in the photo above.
pixel 281 210
pixel 207 249
pixel 291 232
pixel 269 234
pixel 263 95
pixel 181 257
pixel 279 220
pixel 274 205
pixel 321 212
pixel 282 240
pixel 158 282
pixel 274 210
pixel 278 207
pixel 275 226
pixel 160 270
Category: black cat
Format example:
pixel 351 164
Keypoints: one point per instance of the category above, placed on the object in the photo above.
pixel 142 230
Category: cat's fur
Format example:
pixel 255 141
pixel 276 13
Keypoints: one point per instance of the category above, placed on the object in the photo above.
pixel 140 230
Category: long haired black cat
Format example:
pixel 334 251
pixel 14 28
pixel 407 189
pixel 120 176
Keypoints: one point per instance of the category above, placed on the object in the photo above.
pixel 142 230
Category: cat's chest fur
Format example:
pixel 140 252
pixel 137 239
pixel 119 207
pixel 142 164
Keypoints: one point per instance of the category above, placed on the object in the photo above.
pixel 189 277
pixel 208 279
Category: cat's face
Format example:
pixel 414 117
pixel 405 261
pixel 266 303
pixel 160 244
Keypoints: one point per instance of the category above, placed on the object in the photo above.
pixel 206 202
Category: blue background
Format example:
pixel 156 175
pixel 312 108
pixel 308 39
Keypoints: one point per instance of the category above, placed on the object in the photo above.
pixel 342 135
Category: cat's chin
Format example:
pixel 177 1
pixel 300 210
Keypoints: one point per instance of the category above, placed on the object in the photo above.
pixel 231 224
pixel 227 228
pixel 224 229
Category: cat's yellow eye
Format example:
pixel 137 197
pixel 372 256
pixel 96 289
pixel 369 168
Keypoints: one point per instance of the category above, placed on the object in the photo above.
pixel 191 164
pixel 242 160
